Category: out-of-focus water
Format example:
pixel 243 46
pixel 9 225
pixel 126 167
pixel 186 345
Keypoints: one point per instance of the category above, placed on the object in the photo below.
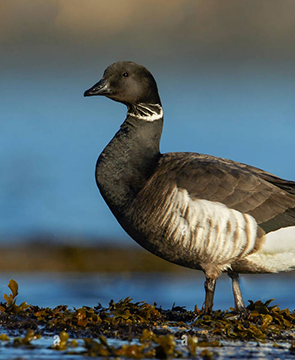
pixel 76 290
pixel 51 136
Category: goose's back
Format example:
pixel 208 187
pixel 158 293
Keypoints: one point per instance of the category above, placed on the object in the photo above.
pixel 197 209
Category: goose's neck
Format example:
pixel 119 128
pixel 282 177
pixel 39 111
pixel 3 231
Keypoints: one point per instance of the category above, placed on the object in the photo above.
pixel 130 158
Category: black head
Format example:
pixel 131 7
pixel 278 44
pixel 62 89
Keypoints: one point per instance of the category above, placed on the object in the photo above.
pixel 128 83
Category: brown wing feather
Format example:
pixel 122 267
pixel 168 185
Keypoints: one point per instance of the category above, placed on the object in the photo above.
pixel 269 199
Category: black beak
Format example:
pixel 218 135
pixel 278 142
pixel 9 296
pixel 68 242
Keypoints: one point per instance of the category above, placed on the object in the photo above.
pixel 100 88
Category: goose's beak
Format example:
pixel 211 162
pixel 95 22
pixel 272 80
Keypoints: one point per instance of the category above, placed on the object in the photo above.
pixel 100 88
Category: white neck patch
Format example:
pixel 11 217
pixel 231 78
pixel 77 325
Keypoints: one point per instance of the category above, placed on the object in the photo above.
pixel 147 112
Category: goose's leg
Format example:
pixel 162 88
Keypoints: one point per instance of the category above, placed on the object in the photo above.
pixel 210 289
pixel 239 303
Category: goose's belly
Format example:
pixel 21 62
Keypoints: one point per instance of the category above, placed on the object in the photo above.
pixel 193 233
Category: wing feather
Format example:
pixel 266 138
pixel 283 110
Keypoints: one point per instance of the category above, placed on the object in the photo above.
pixel 269 199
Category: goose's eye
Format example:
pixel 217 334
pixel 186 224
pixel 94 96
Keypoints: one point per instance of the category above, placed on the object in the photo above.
pixel 125 74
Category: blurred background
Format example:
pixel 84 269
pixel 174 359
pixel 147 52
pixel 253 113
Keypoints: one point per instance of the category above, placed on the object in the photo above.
pixel 225 71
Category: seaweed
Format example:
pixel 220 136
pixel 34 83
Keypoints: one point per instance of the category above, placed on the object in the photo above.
pixel 138 330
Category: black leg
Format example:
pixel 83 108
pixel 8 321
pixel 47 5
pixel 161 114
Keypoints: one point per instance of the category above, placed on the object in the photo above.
pixel 210 289
pixel 239 303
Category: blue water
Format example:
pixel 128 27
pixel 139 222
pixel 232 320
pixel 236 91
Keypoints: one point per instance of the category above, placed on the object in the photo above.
pixel 76 290
pixel 51 137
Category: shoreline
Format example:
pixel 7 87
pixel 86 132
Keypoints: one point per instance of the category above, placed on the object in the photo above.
pixel 70 258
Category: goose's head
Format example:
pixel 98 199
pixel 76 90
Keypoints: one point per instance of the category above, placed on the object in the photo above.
pixel 128 83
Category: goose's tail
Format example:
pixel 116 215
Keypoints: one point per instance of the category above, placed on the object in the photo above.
pixel 278 252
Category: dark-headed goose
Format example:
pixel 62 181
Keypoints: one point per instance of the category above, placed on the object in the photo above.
pixel 194 210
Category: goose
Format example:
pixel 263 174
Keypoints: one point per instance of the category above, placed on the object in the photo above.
pixel 194 210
